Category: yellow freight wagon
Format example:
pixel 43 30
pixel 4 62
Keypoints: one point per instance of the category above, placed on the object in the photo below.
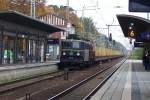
pixel 103 52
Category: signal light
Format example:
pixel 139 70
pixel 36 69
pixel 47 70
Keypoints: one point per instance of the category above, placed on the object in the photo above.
pixel 132 24
pixel 131 30
pixel 132 34
pixel 110 37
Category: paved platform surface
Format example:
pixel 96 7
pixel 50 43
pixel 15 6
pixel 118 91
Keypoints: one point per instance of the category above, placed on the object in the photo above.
pixel 22 66
pixel 130 82
pixel 18 73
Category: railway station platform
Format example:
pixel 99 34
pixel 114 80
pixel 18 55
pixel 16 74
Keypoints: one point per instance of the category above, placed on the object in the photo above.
pixel 13 73
pixel 130 82
pixel 24 66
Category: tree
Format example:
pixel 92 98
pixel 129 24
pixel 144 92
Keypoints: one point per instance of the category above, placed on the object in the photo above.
pixel 23 6
pixel 89 29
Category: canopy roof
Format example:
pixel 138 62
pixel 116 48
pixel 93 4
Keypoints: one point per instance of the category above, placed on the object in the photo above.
pixel 139 25
pixel 27 21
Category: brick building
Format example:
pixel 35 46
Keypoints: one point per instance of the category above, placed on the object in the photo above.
pixel 54 19
pixel 53 49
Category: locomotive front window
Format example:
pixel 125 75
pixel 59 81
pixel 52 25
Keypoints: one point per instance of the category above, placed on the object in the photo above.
pixel 66 45
pixel 75 45
pixel 70 45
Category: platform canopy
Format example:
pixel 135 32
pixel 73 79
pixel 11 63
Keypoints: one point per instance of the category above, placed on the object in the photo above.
pixel 135 27
pixel 27 21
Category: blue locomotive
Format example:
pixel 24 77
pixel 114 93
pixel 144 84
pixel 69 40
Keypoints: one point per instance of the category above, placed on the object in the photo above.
pixel 76 52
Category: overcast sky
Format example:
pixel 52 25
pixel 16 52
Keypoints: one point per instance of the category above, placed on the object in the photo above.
pixel 106 14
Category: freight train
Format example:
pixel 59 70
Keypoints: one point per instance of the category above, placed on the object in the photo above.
pixel 80 52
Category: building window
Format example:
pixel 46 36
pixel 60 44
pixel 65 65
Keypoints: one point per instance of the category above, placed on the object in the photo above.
pixel 63 22
pixel 56 21
pixel 48 19
pixel 51 19
pixel 54 18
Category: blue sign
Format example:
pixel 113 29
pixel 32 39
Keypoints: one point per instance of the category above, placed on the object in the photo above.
pixel 139 5
pixel 53 41
pixel 145 36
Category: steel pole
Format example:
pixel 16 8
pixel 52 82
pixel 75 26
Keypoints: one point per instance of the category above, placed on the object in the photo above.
pixel 67 12
pixel 32 8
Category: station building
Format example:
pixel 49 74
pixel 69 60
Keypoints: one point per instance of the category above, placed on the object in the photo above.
pixel 23 39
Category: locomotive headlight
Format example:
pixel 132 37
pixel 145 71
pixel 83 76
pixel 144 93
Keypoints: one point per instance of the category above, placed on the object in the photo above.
pixel 78 54
pixel 64 53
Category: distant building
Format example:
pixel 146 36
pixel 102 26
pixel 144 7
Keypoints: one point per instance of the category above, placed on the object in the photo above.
pixel 54 19
pixel 53 46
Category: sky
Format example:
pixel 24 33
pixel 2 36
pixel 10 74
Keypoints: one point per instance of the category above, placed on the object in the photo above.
pixel 104 13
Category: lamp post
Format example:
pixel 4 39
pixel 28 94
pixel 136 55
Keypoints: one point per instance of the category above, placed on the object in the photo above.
pixel 110 37
pixel 67 10
pixel 109 28
pixel 84 8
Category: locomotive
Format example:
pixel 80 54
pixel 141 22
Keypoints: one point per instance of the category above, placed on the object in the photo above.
pixel 81 52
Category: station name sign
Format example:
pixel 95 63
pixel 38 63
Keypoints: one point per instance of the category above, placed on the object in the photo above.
pixel 53 41
pixel 138 44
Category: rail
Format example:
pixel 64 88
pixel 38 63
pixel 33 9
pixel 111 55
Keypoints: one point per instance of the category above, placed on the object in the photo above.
pixel 68 90
pixel 101 84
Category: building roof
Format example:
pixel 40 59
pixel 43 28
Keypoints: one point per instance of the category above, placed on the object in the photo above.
pixel 21 19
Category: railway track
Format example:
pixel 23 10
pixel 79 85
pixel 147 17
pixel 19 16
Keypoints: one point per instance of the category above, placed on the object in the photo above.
pixel 25 82
pixel 48 87
pixel 87 97
pixel 80 90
